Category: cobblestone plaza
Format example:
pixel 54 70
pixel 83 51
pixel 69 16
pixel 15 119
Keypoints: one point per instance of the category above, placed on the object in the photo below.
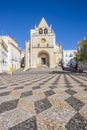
pixel 43 100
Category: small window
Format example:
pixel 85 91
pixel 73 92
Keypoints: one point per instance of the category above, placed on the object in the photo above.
pixel 71 55
pixel 66 55
pixel 38 45
pixel 47 45
pixel 40 31
pixel 45 31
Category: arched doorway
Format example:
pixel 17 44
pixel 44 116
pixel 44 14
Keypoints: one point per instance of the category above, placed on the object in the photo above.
pixel 43 59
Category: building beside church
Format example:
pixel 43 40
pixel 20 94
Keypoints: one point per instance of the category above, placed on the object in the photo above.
pixel 81 44
pixel 42 50
pixel 69 58
pixel 10 54
pixel 82 55
pixel 3 56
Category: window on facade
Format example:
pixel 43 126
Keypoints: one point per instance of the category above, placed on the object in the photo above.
pixel 70 55
pixel 38 45
pixel 45 31
pixel 81 49
pixel 47 45
pixel 66 55
pixel 40 31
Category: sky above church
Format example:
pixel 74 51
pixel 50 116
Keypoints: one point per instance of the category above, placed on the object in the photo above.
pixel 67 17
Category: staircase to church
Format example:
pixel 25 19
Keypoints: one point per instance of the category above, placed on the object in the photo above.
pixel 42 66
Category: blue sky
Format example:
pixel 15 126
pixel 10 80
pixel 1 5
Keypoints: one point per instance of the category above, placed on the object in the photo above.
pixel 68 19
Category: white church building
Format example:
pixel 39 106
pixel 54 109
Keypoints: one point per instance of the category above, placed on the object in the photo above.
pixel 42 49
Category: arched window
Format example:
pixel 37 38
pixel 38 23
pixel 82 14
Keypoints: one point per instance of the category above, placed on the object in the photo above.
pixel 40 31
pixel 45 31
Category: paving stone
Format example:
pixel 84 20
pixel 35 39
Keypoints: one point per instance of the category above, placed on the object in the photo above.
pixel 16 94
pixel 13 84
pixel 82 96
pixel 37 87
pixel 85 89
pixel 25 94
pixel 49 93
pixel 42 105
pixel 2 87
pixel 39 93
pixel 18 88
pixel 53 87
pixel 70 91
pixel 77 123
pixel 5 93
pixel 28 84
pixel 14 117
pixel 1 84
pixel 75 103
pixel 1 128
pixel 69 86
pixel 26 105
pixel 54 118
pixel 9 105
pixel 29 124
pixel 41 84
pixel 83 111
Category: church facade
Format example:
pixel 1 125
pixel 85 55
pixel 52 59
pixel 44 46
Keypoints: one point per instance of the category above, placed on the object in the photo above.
pixel 42 50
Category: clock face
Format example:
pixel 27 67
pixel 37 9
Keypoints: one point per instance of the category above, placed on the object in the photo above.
pixel 43 40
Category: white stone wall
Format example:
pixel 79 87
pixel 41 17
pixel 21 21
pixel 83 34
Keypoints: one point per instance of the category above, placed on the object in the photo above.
pixel 14 57
pixel 14 53
pixel 3 57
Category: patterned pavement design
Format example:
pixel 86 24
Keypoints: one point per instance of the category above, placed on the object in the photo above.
pixel 43 100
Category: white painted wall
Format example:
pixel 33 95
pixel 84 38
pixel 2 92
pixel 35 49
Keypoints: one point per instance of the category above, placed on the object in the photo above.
pixel 68 58
pixel 12 58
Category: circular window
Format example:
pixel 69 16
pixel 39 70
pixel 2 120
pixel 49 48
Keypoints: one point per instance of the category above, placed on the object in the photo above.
pixel 43 40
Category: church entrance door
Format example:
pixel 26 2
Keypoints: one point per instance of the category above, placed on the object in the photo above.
pixel 43 59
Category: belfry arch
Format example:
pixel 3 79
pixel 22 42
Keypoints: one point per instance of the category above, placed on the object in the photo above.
pixel 43 59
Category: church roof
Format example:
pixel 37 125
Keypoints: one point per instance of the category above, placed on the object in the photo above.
pixel 43 23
